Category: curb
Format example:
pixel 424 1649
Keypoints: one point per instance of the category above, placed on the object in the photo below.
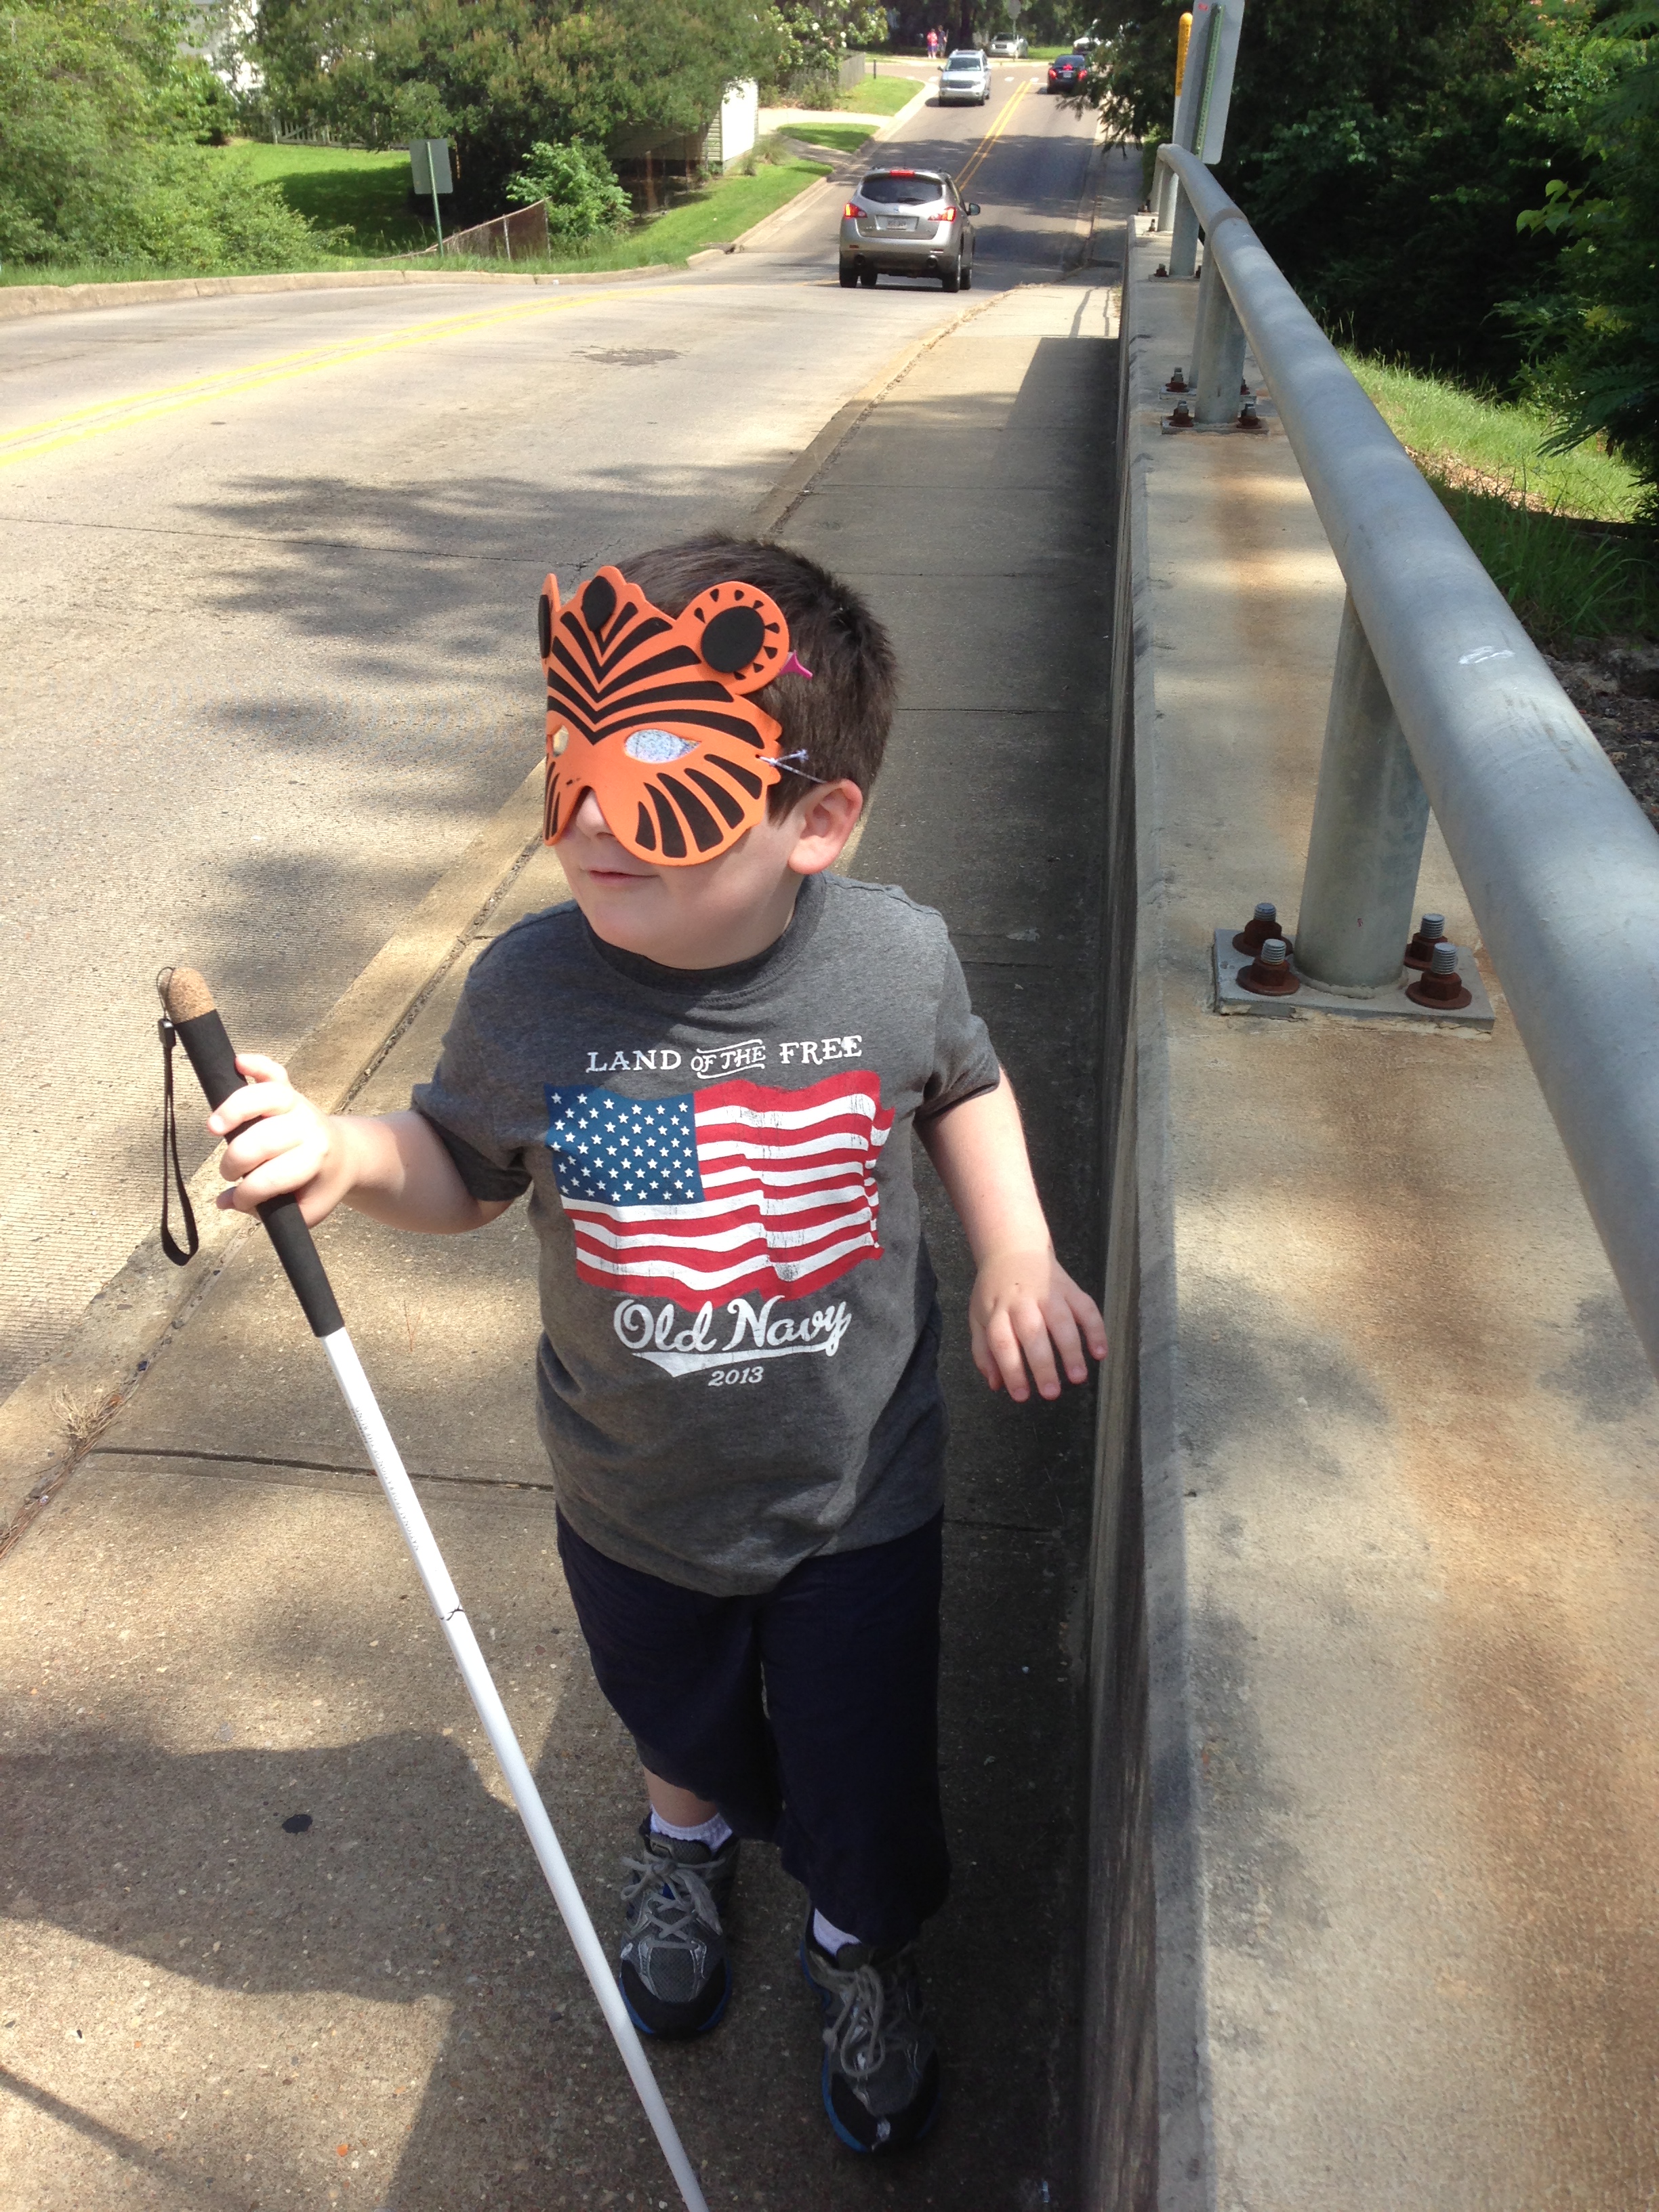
pixel 792 486
pixel 17 301
pixel 55 1413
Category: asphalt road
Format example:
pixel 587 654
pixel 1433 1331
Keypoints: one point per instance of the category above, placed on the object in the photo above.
pixel 270 567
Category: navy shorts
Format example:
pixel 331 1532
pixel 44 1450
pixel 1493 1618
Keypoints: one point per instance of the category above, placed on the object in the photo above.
pixel 808 1714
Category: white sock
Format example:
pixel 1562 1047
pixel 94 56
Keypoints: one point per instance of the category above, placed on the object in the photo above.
pixel 827 1935
pixel 712 1832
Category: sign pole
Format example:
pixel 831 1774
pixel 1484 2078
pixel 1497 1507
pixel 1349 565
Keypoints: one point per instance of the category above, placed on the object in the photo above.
pixel 429 171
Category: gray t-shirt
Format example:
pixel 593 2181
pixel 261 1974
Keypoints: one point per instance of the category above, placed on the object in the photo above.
pixel 737 1368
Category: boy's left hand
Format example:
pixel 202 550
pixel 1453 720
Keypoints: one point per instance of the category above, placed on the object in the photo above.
pixel 1025 1310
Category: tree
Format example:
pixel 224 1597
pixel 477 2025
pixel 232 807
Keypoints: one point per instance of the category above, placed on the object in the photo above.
pixel 814 34
pixel 1383 149
pixel 497 76
pixel 1597 336
pixel 99 116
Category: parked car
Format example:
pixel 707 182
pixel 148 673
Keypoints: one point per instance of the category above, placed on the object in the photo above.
pixel 966 77
pixel 908 222
pixel 1010 47
pixel 1069 73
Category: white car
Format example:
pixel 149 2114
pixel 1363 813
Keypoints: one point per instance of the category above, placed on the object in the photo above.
pixel 966 77
pixel 1010 47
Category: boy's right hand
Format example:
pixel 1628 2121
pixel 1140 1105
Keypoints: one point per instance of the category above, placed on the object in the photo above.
pixel 282 1143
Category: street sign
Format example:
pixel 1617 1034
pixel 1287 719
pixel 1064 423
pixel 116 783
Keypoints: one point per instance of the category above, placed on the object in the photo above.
pixel 429 163
pixel 428 172
pixel 1206 81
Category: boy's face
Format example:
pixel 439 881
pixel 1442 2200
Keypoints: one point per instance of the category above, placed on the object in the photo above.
pixel 718 911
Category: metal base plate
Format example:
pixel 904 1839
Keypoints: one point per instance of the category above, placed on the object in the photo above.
pixel 1387 1006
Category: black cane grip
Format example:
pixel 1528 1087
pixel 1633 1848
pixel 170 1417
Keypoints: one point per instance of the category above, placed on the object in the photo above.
pixel 207 1044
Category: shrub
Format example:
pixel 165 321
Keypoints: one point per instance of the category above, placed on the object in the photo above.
pixel 584 200
pixel 99 121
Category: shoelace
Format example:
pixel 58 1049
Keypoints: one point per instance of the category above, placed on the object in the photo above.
pixel 860 2021
pixel 682 1895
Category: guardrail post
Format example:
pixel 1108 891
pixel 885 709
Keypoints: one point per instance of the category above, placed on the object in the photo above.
pixel 1371 815
pixel 1183 242
pixel 1218 350
pixel 1163 196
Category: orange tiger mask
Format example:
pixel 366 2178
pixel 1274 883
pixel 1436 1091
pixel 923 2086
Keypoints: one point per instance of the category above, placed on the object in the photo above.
pixel 649 714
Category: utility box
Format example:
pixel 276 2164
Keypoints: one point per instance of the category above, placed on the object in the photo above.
pixel 429 166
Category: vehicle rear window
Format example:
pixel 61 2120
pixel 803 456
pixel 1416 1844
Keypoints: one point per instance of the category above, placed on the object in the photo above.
pixel 901 192
pixel 966 61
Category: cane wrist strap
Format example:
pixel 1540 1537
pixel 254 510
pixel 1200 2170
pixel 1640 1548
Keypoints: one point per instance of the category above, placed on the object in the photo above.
pixel 173 1175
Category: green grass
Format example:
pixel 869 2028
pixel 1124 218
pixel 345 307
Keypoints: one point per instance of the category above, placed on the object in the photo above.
pixel 1552 530
pixel 1443 424
pixel 1565 578
pixel 723 210
pixel 879 95
pixel 843 138
pixel 332 185
pixel 720 211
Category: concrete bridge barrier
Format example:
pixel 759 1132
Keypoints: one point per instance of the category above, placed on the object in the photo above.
pixel 1377 1550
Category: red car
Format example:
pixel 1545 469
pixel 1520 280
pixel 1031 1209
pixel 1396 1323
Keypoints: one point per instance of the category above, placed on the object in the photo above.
pixel 1069 73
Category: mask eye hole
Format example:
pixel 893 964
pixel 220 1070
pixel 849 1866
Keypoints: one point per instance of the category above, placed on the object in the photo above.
pixel 561 739
pixel 655 746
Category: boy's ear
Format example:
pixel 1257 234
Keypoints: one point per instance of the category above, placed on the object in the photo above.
pixel 826 820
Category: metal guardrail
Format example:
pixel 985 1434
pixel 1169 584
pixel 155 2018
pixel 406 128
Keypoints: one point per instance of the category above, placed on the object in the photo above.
pixel 1560 865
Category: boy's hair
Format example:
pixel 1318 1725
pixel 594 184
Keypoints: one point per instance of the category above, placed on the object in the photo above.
pixel 840 720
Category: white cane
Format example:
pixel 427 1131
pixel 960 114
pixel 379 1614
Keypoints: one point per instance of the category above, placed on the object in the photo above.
pixel 195 1020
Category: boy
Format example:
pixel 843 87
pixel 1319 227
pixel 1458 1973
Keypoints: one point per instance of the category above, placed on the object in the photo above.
pixel 705 1071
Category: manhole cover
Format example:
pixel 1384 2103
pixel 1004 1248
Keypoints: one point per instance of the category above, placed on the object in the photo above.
pixel 629 356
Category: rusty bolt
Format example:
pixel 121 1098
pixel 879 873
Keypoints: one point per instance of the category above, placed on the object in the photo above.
pixel 1261 925
pixel 1181 419
pixel 1177 380
pixel 1441 987
pixel 1247 417
pixel 1244 391
pixel 1268 975
pixel 1430 932
pixel 1160 270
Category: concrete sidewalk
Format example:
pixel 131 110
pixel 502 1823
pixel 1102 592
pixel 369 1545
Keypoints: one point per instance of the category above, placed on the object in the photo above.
pixel 212 1631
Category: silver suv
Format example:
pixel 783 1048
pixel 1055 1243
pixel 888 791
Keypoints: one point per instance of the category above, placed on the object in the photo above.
pixel 908 222
pixel 966 77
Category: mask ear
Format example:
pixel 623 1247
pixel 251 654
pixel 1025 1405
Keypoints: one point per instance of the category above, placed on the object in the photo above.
pixel 739 632
pixel 546 607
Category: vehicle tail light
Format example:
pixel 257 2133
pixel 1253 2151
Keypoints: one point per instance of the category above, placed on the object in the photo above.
pixel 949 216
pixel 852 209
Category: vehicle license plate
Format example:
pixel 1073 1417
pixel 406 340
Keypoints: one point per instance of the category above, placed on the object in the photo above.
pixel 896 222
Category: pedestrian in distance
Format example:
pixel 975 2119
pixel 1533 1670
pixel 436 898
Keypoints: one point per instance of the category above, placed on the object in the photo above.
pixel 932 46
pixel 705 1070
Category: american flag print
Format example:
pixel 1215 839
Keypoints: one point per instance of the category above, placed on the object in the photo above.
pixel 721 1192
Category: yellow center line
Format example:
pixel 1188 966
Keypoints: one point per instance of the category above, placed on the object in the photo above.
pixel 993 134
pixel 99 421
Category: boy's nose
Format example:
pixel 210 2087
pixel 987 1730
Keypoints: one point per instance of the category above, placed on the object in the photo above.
pixel 589 820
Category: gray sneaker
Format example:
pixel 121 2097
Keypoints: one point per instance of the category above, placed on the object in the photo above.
pixel 675 1979
pixel 880 2076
